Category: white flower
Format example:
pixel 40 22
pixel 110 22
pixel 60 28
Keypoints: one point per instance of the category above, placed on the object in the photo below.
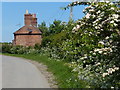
pixel 115 16
pixel 85 57
pixel 82 58
pixel 68 4
pixel 115 24
pixel 107 1
pixel 93 16
pixel 94 53
pixel 105 53
pixel 111 50
pixel 78 26
pixel 96 5
pixel 96 27
pixel 111 3
pixel 100 52
pixel 79 21
pixel 84 10
pixel 98 12
pixel 74 28
pixel 110 70
pixel 91 10
pixel 100 25
pixel 112 8
pixel 94 22
pixel 112 87
pixel 101 42
pixel 96 50
pixel 98 63
pixel 87 65
pixel 107 37
pixel 99 18
pixel 73 62
pixel 104 74
pixel 75 3
pixel 116 68
pixel 113 70
pixel 87 15
pixel 116 20
pixel 111 21
pixel 74 70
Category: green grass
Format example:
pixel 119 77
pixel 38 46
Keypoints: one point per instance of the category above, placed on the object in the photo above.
pixel 61 72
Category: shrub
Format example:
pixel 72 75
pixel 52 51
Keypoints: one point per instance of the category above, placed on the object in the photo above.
pixel 96 44
pixel 6 47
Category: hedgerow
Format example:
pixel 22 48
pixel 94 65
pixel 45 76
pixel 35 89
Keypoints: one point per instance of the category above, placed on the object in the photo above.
pixel 93 46
pixel 90 46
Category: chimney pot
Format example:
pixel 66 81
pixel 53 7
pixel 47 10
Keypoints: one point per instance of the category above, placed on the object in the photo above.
pixel 34 15
pixel 27 12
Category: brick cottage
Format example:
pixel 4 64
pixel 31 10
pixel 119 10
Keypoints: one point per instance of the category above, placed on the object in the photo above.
pixel 28 35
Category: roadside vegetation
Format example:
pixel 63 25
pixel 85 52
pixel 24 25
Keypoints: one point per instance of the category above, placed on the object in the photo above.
pixel 83 53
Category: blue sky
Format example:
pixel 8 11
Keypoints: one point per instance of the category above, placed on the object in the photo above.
pixel 13 14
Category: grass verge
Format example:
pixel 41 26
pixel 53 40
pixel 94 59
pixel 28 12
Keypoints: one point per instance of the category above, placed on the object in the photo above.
pixel 62 73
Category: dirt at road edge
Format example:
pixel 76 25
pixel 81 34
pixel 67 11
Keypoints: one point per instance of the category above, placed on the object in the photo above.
pixel 48 75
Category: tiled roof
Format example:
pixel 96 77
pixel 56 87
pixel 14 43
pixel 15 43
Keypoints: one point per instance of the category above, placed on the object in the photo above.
pixel 28 30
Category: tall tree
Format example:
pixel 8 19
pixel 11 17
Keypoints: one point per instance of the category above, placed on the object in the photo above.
pixel 43 28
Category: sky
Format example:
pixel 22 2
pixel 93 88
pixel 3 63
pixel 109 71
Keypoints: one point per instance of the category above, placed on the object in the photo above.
pixel 13 14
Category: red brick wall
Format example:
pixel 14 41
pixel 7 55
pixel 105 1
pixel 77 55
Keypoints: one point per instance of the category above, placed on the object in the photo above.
pixel 27 40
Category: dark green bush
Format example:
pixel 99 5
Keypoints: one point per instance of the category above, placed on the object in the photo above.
pixel 6 47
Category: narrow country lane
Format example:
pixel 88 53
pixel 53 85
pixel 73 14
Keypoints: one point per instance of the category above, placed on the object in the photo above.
pixel 19 73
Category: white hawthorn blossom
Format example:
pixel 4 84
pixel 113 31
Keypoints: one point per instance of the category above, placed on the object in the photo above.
pixel 112 8
pixel 115 24
pixel 107 37
pixel 112 87
pixel 98 64
pixel 101 42
pixel 104 74
pixel 87 15
pixel 110 71
pixel 111 21
pixel 103 50
pixel 91 10
pixel 78 26
pixel 97 18
pixel 107 1
pixel 98 12
pixel 115 16
pixel 93 16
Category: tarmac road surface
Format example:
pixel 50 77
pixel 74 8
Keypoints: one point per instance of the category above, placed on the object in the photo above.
pixel 19 73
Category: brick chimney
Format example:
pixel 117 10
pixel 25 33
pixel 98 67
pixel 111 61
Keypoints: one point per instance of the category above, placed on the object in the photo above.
pixel 34 20
pixel 27 18
pixel 30 19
